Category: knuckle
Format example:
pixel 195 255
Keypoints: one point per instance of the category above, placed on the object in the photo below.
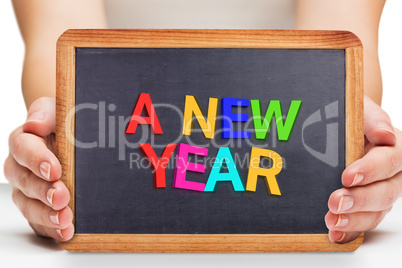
pixel 15 143
pixel 38 229
pixel 6 168
pixel 362 201
pixel 388 210
pixel 35 228
pixel 389 201
pixel 34 158
pixel 377 220
pixel 355 223
pixel 390 194
pixel 23 182
pixel 14 197
pixel 44 219
pixel 23 205
pixel 394 165
pixel 12 136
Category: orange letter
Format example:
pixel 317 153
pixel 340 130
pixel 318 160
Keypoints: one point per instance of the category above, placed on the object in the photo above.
pixel 254 170
pixel 192 107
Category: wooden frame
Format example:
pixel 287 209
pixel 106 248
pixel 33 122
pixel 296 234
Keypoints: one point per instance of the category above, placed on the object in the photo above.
pixel 65 102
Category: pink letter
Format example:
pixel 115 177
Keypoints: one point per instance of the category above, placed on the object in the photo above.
pixel 179 178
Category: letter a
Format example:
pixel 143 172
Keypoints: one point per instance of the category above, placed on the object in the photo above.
pixel 224 154
pixel 144 102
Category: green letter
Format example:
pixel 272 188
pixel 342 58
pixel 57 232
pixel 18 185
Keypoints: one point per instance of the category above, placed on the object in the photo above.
pixel 262 125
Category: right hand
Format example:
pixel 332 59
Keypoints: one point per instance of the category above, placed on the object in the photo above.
pixel 34 172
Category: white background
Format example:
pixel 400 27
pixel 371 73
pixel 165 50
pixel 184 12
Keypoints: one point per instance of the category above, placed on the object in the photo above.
pixel 12 106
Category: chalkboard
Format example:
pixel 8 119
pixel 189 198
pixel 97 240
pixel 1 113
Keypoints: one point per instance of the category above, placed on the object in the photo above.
pixel 112 179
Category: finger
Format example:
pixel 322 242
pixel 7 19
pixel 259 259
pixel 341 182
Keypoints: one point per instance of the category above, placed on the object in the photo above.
pixel 341 237
pixel 381 162
pixel 31 152
pixel 354 222
pixel 37 212
pixel 41 119
pixel 58 234
pixel 377 125
pixel 377 196
pixel 54 194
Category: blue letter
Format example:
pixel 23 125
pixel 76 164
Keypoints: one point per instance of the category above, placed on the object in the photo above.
pixel 228 118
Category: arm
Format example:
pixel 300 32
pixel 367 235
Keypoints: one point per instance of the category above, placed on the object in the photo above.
pixel 41 22
pixel 373 183
pixel 361 17
pixel 31 167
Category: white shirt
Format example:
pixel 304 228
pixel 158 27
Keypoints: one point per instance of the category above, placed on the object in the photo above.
pixel 201 14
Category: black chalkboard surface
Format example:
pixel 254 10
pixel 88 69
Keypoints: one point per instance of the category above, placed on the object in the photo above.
pixel 113 181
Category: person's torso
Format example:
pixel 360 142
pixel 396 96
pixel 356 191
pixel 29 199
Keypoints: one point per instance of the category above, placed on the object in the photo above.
pixel 201 14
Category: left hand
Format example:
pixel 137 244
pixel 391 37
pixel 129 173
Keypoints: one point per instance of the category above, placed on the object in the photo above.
pixel 372 183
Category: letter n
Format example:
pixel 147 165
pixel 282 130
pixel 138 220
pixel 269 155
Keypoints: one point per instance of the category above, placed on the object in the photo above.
pixel 193 107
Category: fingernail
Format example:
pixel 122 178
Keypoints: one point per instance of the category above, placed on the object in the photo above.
pixel 54 217
pixel 340 239
pixel 357 179
pixel 36 116
pixel 345 203
pixel 386 127
pixel 59 233
pixel 49 195
pixel 342 221
pixel 45 170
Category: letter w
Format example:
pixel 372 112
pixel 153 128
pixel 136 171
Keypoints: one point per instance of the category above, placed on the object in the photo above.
pixel 263 125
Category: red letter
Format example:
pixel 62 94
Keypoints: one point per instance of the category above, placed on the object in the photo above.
pixel 144 101
pixel 158 165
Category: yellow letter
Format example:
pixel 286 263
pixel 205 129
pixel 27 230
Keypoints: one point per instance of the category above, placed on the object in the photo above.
pixel 192 107
pixel 254 170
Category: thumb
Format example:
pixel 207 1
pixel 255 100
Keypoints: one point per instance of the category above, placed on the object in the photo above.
pixel 378 128
pixel 41 118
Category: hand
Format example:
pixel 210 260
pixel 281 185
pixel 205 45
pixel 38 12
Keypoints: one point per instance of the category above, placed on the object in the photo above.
pixel 372 183
pixel 34 171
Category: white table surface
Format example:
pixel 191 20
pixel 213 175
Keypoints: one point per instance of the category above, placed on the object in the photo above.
pixel 20 247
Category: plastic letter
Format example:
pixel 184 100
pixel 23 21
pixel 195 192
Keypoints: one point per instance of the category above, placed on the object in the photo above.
pixel 144 102
pixel 182 166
